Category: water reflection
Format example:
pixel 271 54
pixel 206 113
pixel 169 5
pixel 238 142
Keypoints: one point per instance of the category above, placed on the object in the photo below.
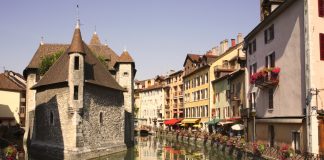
pixel 155 148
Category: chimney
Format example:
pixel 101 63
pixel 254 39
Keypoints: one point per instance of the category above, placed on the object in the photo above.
pixel 225 45
pixel 215 51
pixel 239 37
pixel 221 47
pixel 233 42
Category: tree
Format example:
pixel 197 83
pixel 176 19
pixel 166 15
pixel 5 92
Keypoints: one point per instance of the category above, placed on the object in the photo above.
pixel 48 61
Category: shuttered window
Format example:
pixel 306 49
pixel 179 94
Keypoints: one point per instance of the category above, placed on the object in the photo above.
pixel 321 8
pixel 321 46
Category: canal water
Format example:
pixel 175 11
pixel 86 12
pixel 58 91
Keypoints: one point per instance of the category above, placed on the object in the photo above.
pixel 158 148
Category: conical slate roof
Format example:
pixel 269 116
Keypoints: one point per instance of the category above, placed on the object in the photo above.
pixel 76 44
pixel 125 58
pixel 94 71
pixel 95 39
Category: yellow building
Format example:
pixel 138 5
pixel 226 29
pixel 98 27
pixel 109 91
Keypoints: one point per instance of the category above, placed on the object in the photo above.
pixel 12 99
pixel 174 96
pixel 196 89
pixel 225 63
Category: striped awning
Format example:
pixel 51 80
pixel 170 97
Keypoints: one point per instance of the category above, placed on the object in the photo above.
pixel 191 120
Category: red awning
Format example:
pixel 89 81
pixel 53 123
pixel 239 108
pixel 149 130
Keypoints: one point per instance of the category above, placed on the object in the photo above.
pixel 172 121
pixel 230 119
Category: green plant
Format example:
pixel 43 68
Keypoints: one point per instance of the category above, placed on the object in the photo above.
pixel 48 61
pixel 102 59
pixel 286 152
pixel 258 149
pixel 241 143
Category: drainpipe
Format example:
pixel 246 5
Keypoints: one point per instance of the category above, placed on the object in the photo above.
pixel 307 79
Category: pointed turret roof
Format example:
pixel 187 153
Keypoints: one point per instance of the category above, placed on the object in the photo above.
pixel 94 71
pixel 77 43
pixel 125 57
pixel 95 39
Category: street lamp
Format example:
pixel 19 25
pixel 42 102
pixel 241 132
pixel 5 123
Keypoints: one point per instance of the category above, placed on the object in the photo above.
pixel 253 114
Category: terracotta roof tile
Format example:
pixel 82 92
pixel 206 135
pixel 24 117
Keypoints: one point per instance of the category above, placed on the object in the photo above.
pixel 125 58
pixel 95 39
pixel 49 49
pixel 6 83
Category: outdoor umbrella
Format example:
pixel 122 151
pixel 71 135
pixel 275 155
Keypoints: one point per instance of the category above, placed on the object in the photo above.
pixel 238 127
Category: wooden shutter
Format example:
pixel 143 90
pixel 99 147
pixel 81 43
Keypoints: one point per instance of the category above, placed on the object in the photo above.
pixel 321 8
pixel 321 46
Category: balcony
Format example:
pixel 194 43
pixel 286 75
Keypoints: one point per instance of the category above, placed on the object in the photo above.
pixel 224 68
pixel 167 107
pixel 266 78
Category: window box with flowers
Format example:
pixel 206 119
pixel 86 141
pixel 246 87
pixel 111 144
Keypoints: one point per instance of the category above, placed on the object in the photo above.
pixel 266 78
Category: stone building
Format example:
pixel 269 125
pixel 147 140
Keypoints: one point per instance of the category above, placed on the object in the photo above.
pixel 81 107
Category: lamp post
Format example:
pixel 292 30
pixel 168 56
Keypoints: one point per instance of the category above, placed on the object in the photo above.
pixel 253 114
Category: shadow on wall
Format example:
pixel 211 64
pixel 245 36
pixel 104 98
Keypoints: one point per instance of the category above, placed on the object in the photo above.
pixel 47 130
pixel 128 129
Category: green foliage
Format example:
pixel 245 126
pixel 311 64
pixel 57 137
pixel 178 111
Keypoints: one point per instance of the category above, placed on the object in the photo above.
pixel 102 59
pixel 48 61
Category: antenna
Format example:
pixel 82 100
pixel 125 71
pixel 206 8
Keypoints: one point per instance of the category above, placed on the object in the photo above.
pixel 78 18
pixel 42 40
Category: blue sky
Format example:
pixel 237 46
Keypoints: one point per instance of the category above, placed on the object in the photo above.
pixel 157 33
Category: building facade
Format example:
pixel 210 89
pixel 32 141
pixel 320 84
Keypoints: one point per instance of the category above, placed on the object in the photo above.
pixel 174 107
pixel 151 100
pixel 226 63
pixel 13 99
pixel 87 92
pixel 196 88
pixel 283 57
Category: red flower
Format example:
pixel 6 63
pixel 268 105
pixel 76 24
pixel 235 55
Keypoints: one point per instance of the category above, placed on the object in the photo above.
pixel 276 70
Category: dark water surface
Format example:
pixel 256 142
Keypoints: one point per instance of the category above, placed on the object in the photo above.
pixel 158 148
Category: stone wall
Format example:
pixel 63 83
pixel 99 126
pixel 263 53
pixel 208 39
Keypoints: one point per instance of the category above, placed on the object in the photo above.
pixel 61 132
pixel 91 133
pixel 125 78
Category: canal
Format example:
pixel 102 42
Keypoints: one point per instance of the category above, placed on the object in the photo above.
pixel 158 148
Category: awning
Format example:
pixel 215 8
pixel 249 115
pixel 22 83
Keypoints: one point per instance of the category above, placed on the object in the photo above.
pixel 172 121
pixel 280 120
pixel 213 121
pixel 197 125
pixel 192 120
pixel 224 123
